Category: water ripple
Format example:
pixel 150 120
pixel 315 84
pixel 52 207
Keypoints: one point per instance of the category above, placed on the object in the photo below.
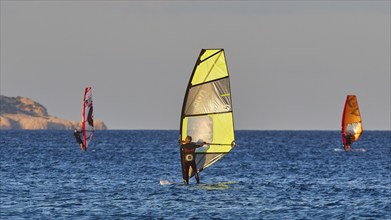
pixel 270 175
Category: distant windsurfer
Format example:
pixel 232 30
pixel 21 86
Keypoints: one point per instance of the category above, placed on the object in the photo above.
pixel 348 142
pixel 78 139
pixel 189 158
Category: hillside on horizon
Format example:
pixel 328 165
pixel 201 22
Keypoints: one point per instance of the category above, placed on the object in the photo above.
pixel 25 113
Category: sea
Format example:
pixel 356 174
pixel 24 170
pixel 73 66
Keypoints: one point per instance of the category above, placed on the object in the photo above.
pixel 136 174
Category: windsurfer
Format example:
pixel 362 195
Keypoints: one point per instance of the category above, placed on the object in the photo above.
pixel 188 148
pixel 348 142
pixel 78 139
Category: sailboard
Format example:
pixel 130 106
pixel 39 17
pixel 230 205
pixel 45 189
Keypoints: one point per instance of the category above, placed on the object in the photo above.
pixel 87 118
pixel 207 113
pixel 351 120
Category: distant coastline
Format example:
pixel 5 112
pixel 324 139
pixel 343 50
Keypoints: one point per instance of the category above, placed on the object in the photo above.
pixel 26 114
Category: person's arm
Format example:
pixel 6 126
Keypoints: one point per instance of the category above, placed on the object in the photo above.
pixel 181 143
pixel 200 145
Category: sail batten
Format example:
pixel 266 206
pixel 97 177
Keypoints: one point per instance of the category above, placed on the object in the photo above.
pixel 207 113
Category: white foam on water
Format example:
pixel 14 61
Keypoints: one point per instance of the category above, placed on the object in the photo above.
pixel 359 150
pixel 362 150
pixel 166 182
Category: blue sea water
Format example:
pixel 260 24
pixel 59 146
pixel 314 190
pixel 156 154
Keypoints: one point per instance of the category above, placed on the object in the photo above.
pixel 269 175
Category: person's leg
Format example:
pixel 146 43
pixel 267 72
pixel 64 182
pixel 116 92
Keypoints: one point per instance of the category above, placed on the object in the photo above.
pixel 197 176
pixel 194 167
pixel 187 165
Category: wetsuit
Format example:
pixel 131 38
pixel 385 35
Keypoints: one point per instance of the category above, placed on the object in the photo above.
pixel 189 160
pixel 78 139
pixel 348 141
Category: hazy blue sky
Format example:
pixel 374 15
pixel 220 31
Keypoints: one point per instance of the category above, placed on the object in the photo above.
pixel 292 63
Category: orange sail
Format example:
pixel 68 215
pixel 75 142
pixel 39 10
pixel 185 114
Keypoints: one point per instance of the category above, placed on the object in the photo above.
pixel 351 121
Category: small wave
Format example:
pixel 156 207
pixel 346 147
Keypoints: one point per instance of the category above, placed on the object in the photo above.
pixel 359 150
pixel 215 186
pixel 166 182
pixel 352 150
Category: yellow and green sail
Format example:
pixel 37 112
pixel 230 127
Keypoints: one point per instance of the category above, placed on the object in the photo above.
pixel 207 109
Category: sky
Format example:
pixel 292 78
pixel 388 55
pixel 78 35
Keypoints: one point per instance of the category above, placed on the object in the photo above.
pixel 292 63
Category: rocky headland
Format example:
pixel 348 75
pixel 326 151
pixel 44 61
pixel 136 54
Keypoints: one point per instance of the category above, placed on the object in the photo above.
pixel 24 113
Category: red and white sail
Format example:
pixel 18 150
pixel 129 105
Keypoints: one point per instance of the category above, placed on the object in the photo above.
pixel 87 118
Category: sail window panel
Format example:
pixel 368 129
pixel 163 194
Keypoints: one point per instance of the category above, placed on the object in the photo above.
pixel 209 98
pixel 210 69
pixel 353 128
pixel 215 129
pixel 200 128
pixel 205 160
pixel 220 126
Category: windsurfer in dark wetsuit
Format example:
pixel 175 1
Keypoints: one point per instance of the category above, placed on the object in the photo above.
pixel 78 139
pixel 348 142
pixel 188 149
